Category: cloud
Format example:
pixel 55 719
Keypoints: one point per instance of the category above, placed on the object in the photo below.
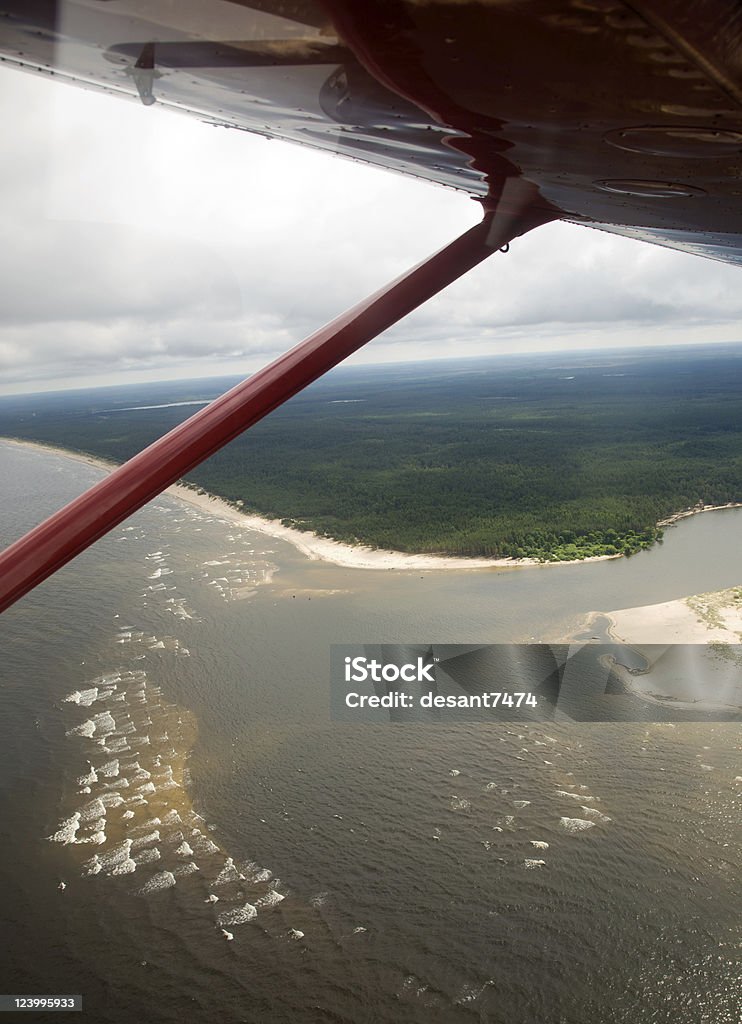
pixel 146 245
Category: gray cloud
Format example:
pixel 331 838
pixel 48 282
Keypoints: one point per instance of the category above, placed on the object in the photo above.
pixel 144 245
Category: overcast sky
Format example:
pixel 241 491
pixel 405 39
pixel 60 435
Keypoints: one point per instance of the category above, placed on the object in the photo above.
pixel 144 245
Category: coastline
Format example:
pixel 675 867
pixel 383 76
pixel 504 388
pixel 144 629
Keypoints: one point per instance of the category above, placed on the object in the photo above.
pixel 324 549
pixel 311 545
pixel 677 516
pixel 712 618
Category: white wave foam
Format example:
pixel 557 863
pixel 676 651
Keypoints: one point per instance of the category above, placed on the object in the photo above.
pixel 150 823
pixel 521 803
pixel 186 869
pixel 118 745
pixel 575 824
pixel 574 796
pixel 162 880
pixel 204 846
pixel 92 866
pixel 87 780
pixel 271 899
pixel 86 729
pixel 238 915
pixel 469 993
pixel 539 844
pixel 184 850
pixel 124 868
pixel 104 722
pixel 93 834
pixel 116 855
pixel 111 799
pixel 595 814
pixel 82 697
pixel 229 873
pixel 147 856
pixel 145 840
pixel 529 863
pixel 67 830
pixel 92 810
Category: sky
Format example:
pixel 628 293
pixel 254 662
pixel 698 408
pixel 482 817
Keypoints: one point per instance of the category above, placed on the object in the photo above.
pixel 141 244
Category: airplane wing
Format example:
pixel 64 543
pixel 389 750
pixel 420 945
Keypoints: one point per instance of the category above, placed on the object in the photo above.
pixel 626 116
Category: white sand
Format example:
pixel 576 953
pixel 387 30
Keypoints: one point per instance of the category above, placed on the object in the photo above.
pixel 310 544
pixel 702 619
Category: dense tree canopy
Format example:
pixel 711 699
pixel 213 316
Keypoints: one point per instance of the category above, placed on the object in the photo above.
pixel 554 457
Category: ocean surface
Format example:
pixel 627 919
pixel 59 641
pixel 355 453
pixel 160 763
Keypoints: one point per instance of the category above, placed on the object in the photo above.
pixel 167 751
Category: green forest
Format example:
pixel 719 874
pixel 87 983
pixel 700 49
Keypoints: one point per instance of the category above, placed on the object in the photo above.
pixel 553 457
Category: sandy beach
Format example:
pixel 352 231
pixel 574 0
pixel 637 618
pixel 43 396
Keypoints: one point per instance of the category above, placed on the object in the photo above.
pixel 701 619
pixel 310 544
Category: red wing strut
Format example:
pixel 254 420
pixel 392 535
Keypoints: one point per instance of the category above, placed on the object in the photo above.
pixel 66 533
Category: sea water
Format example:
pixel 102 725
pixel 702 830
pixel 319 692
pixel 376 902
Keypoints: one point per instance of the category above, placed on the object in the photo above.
pixel 231 853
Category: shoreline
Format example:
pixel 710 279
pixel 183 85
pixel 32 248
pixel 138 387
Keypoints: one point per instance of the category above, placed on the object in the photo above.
pixel 324 549
pixel 711 618
pixel 311 545
pixel 677 516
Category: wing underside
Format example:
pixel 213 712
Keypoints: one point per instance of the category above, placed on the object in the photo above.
pixel 624 116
